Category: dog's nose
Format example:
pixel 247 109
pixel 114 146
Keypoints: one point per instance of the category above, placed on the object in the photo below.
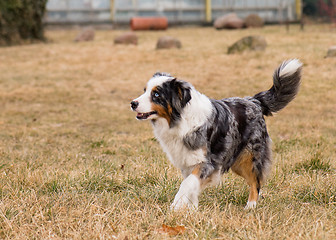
pixel 134 104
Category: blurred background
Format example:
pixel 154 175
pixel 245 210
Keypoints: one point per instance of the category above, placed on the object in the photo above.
pixel 185 11
pixel 25 19
pixel 177 11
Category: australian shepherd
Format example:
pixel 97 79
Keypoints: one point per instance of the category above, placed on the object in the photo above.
pixel 205 138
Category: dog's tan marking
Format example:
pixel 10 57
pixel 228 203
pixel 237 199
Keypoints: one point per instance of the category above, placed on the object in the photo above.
pixel 244 168
pixel 205 182
pixel 205 150
pixel 161 111
pixel 180 93
pixel 196 170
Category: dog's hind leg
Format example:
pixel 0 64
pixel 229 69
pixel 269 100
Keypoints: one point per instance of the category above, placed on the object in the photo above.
pixel 191 187
pixel 244 167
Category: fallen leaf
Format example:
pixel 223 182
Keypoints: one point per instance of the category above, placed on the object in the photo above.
pixel 172 231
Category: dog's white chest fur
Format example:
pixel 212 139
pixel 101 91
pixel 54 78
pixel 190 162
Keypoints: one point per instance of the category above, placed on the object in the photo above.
pixel 172 143
pixel 171 139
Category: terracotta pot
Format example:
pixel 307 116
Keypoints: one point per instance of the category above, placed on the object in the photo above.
pixel 149 23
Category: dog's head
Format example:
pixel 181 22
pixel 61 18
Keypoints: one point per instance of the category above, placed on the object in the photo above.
pixel 164 97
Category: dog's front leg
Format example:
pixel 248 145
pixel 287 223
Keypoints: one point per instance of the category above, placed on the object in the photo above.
pixel 187 196
pixel 203 175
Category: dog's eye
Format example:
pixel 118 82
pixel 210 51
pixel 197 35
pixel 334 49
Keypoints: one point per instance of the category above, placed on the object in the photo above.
pixel 144 89
pixel 156 95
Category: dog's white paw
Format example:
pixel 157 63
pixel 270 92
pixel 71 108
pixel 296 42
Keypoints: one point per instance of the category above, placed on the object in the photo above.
pixel 187 196
pixel 251 205
pixel 184 203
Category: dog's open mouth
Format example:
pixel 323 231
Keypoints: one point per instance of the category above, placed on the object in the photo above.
pixel 143 116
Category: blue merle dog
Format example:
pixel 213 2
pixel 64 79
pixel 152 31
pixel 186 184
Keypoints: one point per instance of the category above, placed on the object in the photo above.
pixel 205 138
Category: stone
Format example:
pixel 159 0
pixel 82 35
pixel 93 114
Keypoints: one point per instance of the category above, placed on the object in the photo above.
pixel 87 34
pixel 127 38
pixel 249 43
pixel 168 42
pixel 254 21
pixel 229 21
pixel 331 51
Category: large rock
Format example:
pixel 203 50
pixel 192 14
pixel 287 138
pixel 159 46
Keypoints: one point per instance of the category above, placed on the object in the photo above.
pixel 229 21
pixel 87 34
pixel 167 42
pixel 331 52
pixel 250 43
pixel 127 38
pixel 253 20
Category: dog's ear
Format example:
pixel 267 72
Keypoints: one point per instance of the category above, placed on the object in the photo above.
pixel 182 91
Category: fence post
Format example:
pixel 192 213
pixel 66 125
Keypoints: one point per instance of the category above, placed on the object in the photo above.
pixel 298 9
pixel 112 9
pixel 208 11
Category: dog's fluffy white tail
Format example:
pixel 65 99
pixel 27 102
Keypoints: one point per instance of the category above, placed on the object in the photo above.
pixel 289 67
pixel 286 83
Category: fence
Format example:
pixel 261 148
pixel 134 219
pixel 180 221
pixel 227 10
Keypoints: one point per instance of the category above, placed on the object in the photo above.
pixel 177 11
pixel 78 11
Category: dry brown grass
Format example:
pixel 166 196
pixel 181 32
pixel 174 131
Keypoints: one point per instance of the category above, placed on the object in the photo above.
pixel 74 163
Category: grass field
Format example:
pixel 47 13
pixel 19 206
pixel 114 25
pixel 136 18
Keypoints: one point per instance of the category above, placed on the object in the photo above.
pixel 75 164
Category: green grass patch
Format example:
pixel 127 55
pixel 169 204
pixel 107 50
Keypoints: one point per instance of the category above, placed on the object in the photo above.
pixel 98 144
pixel 316 163
pixel 286 145
pixel 235 193
pixel 310 194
